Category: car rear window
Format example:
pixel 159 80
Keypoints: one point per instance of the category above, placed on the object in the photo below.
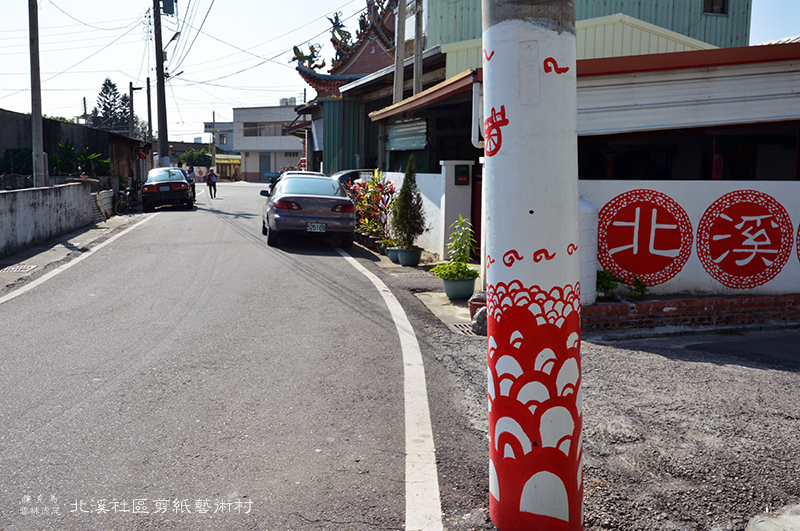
pixel 304 186
pixel 165 174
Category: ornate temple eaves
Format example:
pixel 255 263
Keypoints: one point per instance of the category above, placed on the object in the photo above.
pixel 326 84
pixel 376 33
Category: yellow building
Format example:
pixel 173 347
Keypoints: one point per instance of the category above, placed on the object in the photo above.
pixel 229 167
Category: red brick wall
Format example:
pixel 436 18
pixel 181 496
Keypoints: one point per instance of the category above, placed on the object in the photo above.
pixel 710 311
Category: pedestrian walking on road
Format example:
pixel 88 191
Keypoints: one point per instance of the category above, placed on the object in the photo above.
pixel 211 181
pixel 192 178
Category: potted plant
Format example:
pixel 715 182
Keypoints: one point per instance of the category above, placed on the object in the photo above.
pixel 390 247
pixel 457 275
pixel 372 229
pixel 373 199
pixel 408 217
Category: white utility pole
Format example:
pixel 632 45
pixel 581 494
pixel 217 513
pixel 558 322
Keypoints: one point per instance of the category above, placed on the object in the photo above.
pixel 533 264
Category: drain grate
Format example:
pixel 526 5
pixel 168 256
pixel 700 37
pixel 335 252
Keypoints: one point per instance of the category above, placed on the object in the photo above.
pixel 415 274
pixel 17 269
pixel 465 329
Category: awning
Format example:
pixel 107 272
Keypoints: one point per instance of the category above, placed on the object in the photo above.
pixel 437 93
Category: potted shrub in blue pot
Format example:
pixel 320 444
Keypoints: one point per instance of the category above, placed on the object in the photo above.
pixel 408 217
pixel 459 279
pixel 457 275
pixel 390 247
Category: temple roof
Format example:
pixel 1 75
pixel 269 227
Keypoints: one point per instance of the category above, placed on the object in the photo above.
pixel 371 51
pixel 326 84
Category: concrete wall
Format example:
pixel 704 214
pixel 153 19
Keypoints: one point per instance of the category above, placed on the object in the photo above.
pixel 431 187
pixel 34 215
pixel 443 201
pixel 700 237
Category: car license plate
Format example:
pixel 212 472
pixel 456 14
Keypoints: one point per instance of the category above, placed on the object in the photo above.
pixel 315 227
pixel 164 188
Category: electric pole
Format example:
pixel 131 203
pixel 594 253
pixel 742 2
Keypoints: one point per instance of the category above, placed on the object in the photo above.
pixel 399 51
pixel 419 46
pixel 214 140
pixel 131 123
pixel 533 264
pixel 149 114
pixel 39 160
pixel 161 93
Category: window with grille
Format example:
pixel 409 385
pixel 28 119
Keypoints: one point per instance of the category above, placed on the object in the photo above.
pixel 717 7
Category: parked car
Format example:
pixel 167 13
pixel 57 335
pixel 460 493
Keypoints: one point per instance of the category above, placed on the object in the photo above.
pixel 305 202
pixel 166 186
pixel 190 180
pixel 295 172
pixel 348 177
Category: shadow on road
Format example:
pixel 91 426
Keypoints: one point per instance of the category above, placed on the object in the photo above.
pixel 758 349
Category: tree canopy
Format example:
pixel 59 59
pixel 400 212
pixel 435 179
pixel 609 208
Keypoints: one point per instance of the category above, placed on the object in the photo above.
pixel 196 158
pixel 112 110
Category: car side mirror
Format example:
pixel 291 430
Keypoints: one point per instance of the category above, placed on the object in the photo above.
pixel 265 193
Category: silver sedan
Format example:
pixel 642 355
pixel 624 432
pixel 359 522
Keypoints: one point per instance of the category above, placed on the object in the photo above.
pixel 311 204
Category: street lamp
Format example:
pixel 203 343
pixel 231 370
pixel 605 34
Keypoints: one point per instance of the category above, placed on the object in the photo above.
pixel 174 38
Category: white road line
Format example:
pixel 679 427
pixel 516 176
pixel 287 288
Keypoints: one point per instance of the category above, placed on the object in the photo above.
pixel 44 278
pixel 423 505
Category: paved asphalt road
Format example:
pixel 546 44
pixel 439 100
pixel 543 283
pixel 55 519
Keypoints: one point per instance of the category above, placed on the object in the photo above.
pixel 188 361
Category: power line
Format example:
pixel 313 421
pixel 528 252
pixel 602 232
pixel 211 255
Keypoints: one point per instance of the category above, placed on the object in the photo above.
pixel 265 60
pixel 82 23
pixel 181 49
pixel 76 64
pixel 336 10
pixel 199 30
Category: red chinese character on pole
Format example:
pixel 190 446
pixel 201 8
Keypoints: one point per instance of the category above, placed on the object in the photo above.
pixel 744 239
pixel 644 233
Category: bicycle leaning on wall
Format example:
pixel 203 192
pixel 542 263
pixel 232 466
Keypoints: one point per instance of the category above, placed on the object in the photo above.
pixel 126 198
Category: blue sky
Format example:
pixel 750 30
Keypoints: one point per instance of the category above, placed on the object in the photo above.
pixel 774 19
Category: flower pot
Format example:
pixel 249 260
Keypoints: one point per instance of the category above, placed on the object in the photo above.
pixel 409 257
pixel 476 302
pixel 373 243
pixel 391 252
pixel 381 250
pixel 459 288
pixel 474 306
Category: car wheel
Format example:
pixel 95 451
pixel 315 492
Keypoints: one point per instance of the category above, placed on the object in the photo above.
pixel 272 238
pixel 146 208
pixel 189 204
pixel 263 228
pixel 347 242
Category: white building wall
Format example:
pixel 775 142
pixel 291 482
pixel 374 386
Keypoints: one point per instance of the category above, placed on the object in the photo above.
pixel 431 187
pixel 696 198
pixel 272 141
